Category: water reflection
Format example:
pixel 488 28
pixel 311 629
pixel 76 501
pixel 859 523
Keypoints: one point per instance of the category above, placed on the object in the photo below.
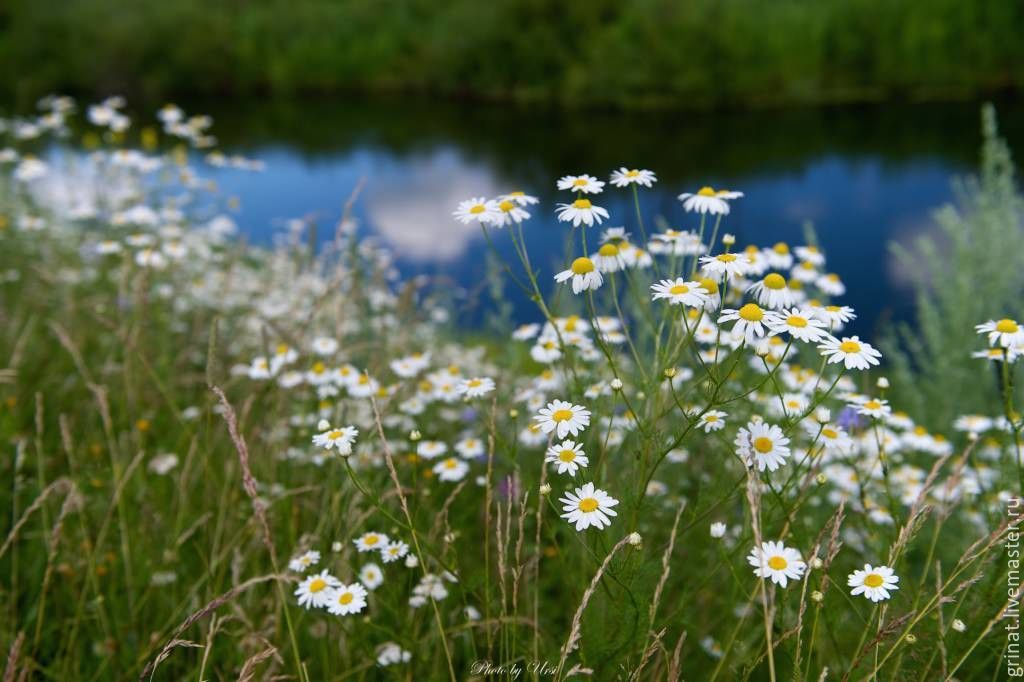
pixel 862 176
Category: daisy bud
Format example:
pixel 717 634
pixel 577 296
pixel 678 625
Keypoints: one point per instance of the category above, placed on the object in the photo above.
pixel 958 625
pixel 411 561
pixel 545 489
pixel 823 415
pixel 728 239
pixel 882 383
pixel 911 639
pixel 616 384
pixel 972 436
pixel 817 597
pixel 640 395
pixel 816 563
pixel 336 546
pixel 718 529
pixel 670 372
pixel 635 539
pixel 822 479
pixel 449 538
pixel 513 413
pixel 323 425
pixel 415 435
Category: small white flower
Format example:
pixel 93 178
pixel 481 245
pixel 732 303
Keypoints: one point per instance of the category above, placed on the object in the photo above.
pixel 718 529
pixel 315 590
pixel 581 183
pixel 873 582
pixel 563 418
pixel 568 455
pixel 776 561
pixel 588 506
pixel 347 599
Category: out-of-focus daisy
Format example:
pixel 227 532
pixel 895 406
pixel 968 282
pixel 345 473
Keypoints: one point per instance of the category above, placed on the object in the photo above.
pixel 475 387
pixel 563 418
pixel 831 284
pixel 588 506
pixel 1004 333
pixel 371 576
pixel 725 265
pixel 581 183
pixel 750 321
pixel 834 315
pixel 608 258
pixel 302 562
pixel 851 351
pixel 451 470
pixel 429 449
pixel 776 561
pixel 712 420
pixel 509 211
pixel 680 292
pixel 762 445
pixel 347 599
pixel 315 590
pixel 479 209
pixel 800 324
pixel 371 541
pixel 718 529
pixel 810 254
pixel 584 275
pixel 393 551
pixel 390 653
pixel 874 582
pixel 580 212
pixel 568 455
pixel 873 407
pixel 625 176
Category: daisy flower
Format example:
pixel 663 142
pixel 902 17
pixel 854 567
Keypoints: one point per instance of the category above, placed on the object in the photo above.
pixel 510 212
pixel 581 211
pixel 750 321
pixel 581 183
pixel 584 275
pixel 563 418
pixel 480 209
pixel 832 437
pixel 300 563
pixel 393 551
pixel 475 387
pixel 371 576
pixel 724 265
pixel 625 176
pixel 763 445
pixel 1004 332
pixel 833 315
pixel 470 448
pixel 706 200
pixel 831 284
pixel 776 561
pixel 873 582
pixel 609 257
pixel 873 408
pixel 390 653
pixel 371 541
pixel 851 351
pixel 429 449
pixel 568 455
pixel 779 257
pixel 337 439
pixel 451 470
pixel 799 324
pixel 347 599
pixel 712 420
pixel 810 254
pixel 315 590
pixel 772 292
pixel 680 292
pixel 588 506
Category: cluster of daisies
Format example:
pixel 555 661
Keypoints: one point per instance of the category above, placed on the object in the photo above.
pixel 780 564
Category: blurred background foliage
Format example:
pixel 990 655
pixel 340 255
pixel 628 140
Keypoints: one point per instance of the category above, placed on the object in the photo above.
pixel 637 54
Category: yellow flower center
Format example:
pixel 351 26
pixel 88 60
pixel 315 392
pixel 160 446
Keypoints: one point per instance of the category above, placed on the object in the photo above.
pixel 582 266
pixel 451 463
pixel 829 433
pixel 763 444
pixel 726 257
pixel 751 312
pixel 777 563
pixel 873 580
pixel 1007 326
pixel 679 289
pixel 345 598
pixel 872 404
pixel 479 208
pixel 706 192
pixel 335 434
pixel 709 285
pixel 588 504
pixel 781 248
pixel 561 415
pixel 371 540
pixel 473 383
pixel 775 281
pixel 581 204
pixel 632 173
pixel 710 418
pixel 579 182
pixel 849 347
pixel 282 349
pixel 796 321
pixel 317 585
pixel 506 205
pixel 567 455
pixel 318 368
pixel 609 250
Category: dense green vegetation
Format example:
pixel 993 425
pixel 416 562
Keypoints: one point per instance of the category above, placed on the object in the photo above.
pixel 635 54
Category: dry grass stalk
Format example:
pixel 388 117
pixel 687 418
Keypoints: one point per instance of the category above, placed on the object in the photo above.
pixel 11 669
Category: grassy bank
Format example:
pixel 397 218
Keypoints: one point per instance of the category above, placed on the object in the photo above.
pixel 649 53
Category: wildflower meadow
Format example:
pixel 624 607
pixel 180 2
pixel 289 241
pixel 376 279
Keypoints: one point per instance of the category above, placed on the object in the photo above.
pixel 233 461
